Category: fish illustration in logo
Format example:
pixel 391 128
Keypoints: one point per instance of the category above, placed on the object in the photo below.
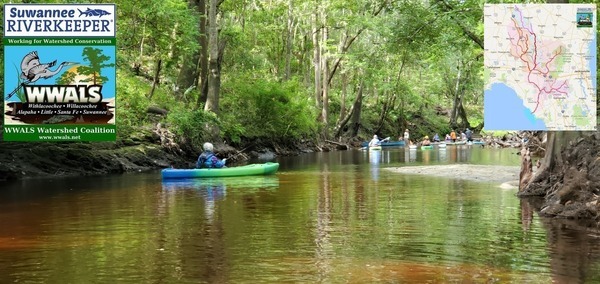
pixel 32 70
pixel 93 12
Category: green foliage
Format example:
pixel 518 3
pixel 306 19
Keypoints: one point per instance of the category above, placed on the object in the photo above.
pixel 410 51
pixel 131 102
pixel 149 30
pixel 66 78
pixel 255 108
pixel 191 124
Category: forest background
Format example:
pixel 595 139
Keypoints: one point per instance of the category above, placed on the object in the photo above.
pixel 289 71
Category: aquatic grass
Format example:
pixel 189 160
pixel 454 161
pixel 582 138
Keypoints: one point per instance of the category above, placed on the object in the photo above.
pixel 20 93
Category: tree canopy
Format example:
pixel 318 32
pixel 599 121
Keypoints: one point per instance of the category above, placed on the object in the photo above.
pixel 288 69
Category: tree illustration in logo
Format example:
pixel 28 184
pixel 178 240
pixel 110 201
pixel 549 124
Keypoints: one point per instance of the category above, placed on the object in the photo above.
pixel 96 60
pixel 89 74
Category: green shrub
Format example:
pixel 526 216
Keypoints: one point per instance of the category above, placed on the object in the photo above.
pixel 131 103
pixel 191 125
pixel 258 108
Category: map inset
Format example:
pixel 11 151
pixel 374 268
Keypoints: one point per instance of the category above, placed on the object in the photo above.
pixel 540 66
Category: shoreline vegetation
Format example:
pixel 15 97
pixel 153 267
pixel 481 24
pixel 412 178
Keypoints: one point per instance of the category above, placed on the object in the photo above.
pixel 574 181
pixel 290 78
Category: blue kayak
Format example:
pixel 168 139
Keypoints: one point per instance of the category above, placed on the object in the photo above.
pixel 248 170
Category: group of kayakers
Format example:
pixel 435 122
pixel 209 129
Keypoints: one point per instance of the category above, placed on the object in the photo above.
pixel 467 135
pixel 209 160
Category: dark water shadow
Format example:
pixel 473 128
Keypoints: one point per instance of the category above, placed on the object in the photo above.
pixel 573 245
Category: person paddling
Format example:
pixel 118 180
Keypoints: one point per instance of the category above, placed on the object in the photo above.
pixel 208 159
pixel 374 142
pixel 469 135
pixel 453 135
pixel 426 141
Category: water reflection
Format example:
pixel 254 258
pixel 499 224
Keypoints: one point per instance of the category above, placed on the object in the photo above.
pixel 411 157
pixel 574 250
pixel 427 156
pixel 374 160
pixel 325 217
pixel 207 184
pixel 443 157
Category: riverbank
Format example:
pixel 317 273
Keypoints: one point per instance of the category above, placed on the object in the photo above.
pixel 38 160
pixel 571 187
pixel 146 149
pixel 505 176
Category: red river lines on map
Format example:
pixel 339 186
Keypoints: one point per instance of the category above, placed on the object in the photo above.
pixel 523 44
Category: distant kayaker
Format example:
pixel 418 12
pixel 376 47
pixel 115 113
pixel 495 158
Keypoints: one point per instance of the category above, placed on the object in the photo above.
pixel 406 135
pixel 426 141
pixel 453 135
pixel 448 138
pixel 469 134
pixel 208 159
pixel 436 138
pixel 463 136
pixel 374 142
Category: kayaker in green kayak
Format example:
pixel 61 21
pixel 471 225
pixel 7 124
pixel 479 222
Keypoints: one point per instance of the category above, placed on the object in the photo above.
pixel 208 159
pixel 426 141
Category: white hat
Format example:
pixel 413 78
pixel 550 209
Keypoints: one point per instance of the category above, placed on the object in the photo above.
pixel 207 146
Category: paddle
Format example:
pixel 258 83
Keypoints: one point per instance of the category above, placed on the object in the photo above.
pixel 383 140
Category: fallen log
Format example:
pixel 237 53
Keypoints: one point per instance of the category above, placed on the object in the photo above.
pixel 157 110
pixel 336 143
pixel 339 146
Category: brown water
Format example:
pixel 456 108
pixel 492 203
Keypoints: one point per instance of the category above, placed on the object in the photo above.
pixel 325 217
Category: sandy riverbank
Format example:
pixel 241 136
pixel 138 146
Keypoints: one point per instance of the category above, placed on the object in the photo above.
pixel 507 176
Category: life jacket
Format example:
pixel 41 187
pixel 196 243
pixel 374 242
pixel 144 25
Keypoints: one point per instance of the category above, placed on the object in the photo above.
pixel 201 163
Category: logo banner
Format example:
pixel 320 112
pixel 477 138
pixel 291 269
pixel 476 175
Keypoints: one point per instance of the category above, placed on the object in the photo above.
pixel 59 72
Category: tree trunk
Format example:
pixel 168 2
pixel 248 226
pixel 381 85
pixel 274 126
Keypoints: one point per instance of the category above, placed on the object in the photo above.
pixel 172 45
pixel 356 109
pixel 344 115
pixel 288 41
pixel 325 86
pixel 203 40
pixel 343 96
pixel 454 113
pixel 388 104
pixel 463 114
pixel 138 63
pixel 317 59
pixel 188 74
pixel 214 76
pixel 156 78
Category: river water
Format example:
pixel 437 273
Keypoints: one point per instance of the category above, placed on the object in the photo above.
pixel 324 217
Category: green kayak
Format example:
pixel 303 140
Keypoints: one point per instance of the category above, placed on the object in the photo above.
pixel 426 147
pixel 248 170
pixel 375 148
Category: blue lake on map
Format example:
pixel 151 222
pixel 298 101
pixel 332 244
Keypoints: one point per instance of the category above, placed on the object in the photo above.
pixel 503 109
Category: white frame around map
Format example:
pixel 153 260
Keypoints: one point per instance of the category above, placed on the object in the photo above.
pixel 540 67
